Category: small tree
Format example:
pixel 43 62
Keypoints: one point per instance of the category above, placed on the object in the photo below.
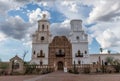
pixel 109 51
pixel 101 50
pixel 24 55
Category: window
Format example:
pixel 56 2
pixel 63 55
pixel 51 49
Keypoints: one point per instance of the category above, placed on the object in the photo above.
pixel 41 63
pixel 41 54
pixel 85 52
pixel 43 27
pixel 77 37
pixel 79 62
pixel 41 51
pixel 42 38
pixel 79 54
pixel 60 51
pixel 106 63
pixel 94 63
pixel 34 52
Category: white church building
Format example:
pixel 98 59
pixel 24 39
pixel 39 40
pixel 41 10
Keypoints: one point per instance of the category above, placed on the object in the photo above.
pixel 61 51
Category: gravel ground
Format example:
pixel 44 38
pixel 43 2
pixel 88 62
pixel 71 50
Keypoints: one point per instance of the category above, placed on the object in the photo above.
pixel 61 76
pixel 16 78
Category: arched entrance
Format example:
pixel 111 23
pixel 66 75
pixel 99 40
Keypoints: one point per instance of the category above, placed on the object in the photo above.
pixel 60 65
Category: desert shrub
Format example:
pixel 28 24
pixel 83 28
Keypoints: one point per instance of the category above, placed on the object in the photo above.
pixel 3 72
pixel 16 73
pixel 70 71
pixel 103 69
pixel 117 68
pixel 46 71
pixel 74 71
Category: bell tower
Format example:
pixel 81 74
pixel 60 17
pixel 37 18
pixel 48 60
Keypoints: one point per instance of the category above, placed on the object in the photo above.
pixel 40 41
pixel 79 40
pixel 42 34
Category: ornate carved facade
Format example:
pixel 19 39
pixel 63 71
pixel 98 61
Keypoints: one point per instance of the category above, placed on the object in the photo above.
pixel 60 53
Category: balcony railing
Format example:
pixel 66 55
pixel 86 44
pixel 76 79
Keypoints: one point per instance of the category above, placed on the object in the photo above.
pixel 40 55
pixel 60 54
pixel 79 55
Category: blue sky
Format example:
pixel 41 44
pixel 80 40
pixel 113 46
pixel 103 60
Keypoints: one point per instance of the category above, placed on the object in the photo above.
pixel 18 22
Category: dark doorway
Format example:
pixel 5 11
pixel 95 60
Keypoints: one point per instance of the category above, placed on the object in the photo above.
pixel 60 65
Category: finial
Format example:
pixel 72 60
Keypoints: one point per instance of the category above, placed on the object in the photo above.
pixel 44 16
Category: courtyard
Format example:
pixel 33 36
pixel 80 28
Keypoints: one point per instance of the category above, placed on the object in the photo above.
pixel 61 76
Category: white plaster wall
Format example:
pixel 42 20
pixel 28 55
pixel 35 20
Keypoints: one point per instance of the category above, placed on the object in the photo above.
pixel 37 47
pixel 82 47
pixel 79 34
pixel 45 26
pixel 95 57
pixel 37 61
pixel 84 60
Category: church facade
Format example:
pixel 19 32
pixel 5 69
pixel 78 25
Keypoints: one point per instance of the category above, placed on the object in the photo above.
pixel 61 52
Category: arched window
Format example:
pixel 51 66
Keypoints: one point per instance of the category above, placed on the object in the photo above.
pixel 43 27
pixel 34 52
pixel 41 63
pixel 42 38
pixel 60 51
pixel 41 52
pixel 79 62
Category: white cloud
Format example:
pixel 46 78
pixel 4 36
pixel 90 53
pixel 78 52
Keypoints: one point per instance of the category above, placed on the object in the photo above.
pixel 107 34
pixel 37 14
pixel 62 28
pixel 107 15
pixel 105 10
pixel 71 9
pixel 71 5
pixel 7 5
pixel 28 43
pixel 15 27
pixel 2 37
